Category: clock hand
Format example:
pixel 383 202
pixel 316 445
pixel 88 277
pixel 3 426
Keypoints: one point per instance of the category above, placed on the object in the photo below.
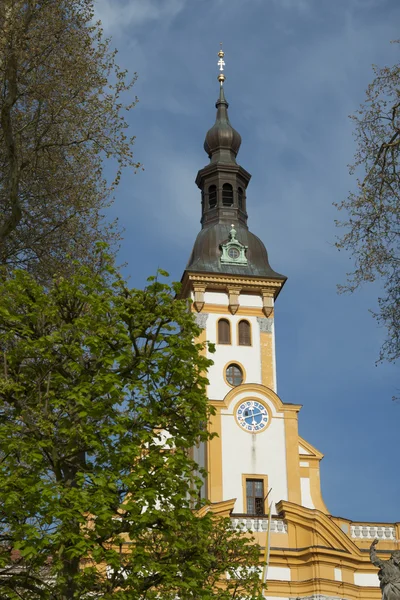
pixel 256 414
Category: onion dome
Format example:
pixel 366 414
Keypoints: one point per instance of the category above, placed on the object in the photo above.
pixel 222 141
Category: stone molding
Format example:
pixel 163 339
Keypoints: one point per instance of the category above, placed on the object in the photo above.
pixel 320 597
pixel 251 523
pixel 363 531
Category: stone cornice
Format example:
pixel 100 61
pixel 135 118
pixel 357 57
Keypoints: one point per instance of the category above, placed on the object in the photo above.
pixel 217 167
pixel 224 281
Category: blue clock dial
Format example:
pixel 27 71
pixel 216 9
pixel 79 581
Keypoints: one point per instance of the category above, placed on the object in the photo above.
pixel 252 415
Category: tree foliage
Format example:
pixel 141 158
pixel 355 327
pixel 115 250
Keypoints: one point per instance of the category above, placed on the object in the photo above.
pixel 373 224
pixel 61 114
pixel 102 396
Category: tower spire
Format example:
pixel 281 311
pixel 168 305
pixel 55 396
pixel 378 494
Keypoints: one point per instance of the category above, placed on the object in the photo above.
pixel 222 141
pixel 225 244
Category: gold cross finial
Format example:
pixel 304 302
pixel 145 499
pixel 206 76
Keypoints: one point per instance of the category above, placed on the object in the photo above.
pixel 221 64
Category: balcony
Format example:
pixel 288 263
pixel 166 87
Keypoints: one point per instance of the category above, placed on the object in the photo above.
pixel 257 523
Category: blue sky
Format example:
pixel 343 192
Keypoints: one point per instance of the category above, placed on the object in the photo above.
pixel 295 70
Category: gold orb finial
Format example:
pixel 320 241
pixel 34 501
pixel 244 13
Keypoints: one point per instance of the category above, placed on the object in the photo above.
pixel 221 64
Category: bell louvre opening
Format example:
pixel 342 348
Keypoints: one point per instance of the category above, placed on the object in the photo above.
pixel 212 196
pixel 227 195
pixel 240 198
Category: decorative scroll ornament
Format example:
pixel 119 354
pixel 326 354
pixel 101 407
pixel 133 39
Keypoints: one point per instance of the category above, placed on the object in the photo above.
pixel 233 252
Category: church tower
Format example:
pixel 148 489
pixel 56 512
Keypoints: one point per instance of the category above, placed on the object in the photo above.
pixel 234 290
pixel 260 472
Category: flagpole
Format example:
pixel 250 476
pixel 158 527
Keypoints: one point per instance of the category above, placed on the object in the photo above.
pixel 267 546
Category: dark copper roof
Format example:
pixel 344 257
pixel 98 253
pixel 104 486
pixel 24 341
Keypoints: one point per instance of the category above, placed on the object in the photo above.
pixel 206 253
pixel 220 211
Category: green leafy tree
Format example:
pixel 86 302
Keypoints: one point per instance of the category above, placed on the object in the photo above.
pixel 372 226
pixel 62 107
pixel 102 396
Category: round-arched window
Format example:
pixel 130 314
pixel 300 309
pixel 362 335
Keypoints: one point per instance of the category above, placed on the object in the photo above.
pixel 227 194
pixel 234 374
pixel 244 333
pixel 224 331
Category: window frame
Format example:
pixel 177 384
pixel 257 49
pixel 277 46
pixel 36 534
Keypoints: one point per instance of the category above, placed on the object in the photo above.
pixel 243 372
pixel 255 477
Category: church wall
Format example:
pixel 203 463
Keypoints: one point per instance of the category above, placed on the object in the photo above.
pixel 257 360
pixel 250 300
pixel 258 454
pixel 216 298
pixel 247 357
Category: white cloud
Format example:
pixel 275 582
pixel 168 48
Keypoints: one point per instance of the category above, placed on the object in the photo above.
pixel 115 14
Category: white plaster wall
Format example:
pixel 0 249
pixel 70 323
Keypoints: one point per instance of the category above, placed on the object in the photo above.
pixel 248 356
pixel 306 499
pixel 216 298
pixel 261 453
pixel 279 573
pixel 250 300
pixel 304 463
pixel 366 579
pixel 303 450
pixel 337 574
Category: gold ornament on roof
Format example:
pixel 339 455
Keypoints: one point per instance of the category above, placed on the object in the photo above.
pixel 221 64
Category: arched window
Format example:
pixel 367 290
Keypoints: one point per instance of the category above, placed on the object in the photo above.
pixel 234 374
pixel 212 196
pixel 244 333
pixel 227 194
pixel 224 331
pixel 240 197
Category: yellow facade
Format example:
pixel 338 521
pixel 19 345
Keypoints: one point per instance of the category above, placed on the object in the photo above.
pixel 314 554
pixel 257 445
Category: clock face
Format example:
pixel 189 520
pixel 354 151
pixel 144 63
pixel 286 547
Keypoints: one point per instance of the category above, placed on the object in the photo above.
pixel 252 415
pixel 233 252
